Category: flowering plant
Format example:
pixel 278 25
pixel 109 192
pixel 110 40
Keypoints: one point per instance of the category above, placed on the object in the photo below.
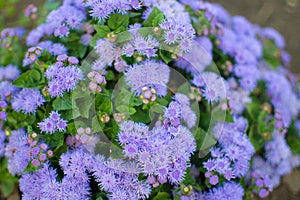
pixel 145 99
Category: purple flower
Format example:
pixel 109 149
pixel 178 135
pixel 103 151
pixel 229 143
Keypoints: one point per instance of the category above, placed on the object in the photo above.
pixel 62 79
pixel 148 74
pixel 213 180
pixel 2 142
pixel 10 72
pixel 263 193
pixel 144 46
pixel 107 52
pixel 64 18
pixel 214 86
pixel 53 123
pixel 17 152
pixel 27 100
pixel 44 184
pixel 272 34
pixel 53 48
pixel 228 190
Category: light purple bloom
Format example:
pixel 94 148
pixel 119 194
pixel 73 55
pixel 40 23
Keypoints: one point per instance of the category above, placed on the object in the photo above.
pixel 148 74
pixel 62 79
pixel 27 100
pixel 53 123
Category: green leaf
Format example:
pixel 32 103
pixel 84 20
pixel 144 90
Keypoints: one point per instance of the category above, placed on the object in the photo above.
pixel 134 101
pixel 20 120
pixel 84 105
pixel 62 103
pixel 102 30
pixel 117 20
pixel 158 19
pixel 30 79
pixel 229 118
pixel 204 139
pixel 96 126
pixel 55 140
pixel 253 110
pixel 70 114
pixel 7 187
pixel 110 75
pixel 156 109
pixel 123 37
pixel 162 196
pixel 106 106
pixel 256 138
pixel 152 19
pixel 293 139
pixel 82 51
pixel 141 116
pixel 166 56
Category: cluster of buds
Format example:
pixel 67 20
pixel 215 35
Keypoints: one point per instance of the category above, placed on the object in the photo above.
pixel 187 190
pixel 3 105
pixel 63 58
pixel 227 68
pixel 86 38
pixel 155 182
pixel 263 184
pixel 31 11
pixel 97 80
pixel 32 55
pixel 148 95
pixel 209 25
pixel 119 117
pixel 39 152
pixel 279 125
pixel 195 94
pixel 83 137
pixel 104 118
pixel 213 179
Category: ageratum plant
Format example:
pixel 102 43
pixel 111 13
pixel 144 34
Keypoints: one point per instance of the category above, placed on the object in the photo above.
pixel 145 99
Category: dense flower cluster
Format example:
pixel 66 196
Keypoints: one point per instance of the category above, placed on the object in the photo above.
pixel 62 78
pixel 27 100
pixel 149 74
pixel 53 123
pixel 146 99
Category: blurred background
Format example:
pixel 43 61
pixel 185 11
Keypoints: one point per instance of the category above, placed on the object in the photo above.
pixel 283 15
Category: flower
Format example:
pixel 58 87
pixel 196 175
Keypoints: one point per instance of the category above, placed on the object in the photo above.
pixel 53 123
pixel 62 79
pixel 148 74
pixel 27 100
pixel 17 152
pixel 2 143
pixel 214 86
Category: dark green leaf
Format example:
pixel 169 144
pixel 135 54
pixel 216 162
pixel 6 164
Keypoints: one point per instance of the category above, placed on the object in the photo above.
pixel 63 103
pixel 84 105
pixel 162 196
pixel 117 20
pixel 141 116
pixel 152 17
pixel 30 79
pixel 106 106
pixel 110 75
pixel 96 126
pixel 7 187
pixel 123 37
pixel 166 56
pixel 102 30
pixel 256 138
